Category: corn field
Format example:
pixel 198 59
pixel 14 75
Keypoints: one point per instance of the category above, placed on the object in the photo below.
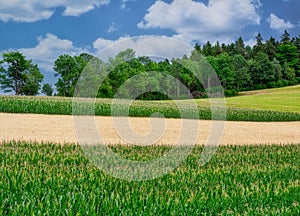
pixel 47 179
pixel 63 106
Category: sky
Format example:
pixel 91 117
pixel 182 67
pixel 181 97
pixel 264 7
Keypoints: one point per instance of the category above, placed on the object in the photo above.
pixel 43 30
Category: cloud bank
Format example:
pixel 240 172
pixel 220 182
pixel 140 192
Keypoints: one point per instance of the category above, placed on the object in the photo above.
pixel 35 10
pixel 218 20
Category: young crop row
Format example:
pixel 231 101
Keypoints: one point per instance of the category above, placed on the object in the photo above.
pixel 58 180
pixel 63 106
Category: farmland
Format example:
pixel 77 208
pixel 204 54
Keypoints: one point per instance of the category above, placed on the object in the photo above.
pixel 58 180
pixel 43 178
pixel 270 105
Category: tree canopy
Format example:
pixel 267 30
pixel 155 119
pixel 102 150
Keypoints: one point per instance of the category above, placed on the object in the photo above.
pixel 19 75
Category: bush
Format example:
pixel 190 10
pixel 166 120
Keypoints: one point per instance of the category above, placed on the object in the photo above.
pixel 272 84
pixel 282 83
pixel 230 93
pixel 293 82
pixel 259 86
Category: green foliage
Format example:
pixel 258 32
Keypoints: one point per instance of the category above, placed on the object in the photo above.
pixel 47 89
pixel 58 180
pixel 68 69
pixel 19 75
pixel 261 69
pixel 33 81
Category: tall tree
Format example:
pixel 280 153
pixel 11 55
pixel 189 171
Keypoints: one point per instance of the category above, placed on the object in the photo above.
pixel 288 72
pixel 19 75
pixel 68 69
pixel 271 48
pixel 47 89
pixel 67 73
pixel 240 47
pixel 277 69
pixel 261 69
pixel 296 41
pixel 33 80
pixel 285 38
pixel 241 75
pixel 217 50
pixel 259 46
pixel 287 53
pixel 207 49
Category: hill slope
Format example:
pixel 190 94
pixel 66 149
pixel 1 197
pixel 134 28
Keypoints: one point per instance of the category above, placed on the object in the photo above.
pixel 281 99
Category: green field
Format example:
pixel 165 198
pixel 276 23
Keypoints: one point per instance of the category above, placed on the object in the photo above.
pixel 267 105
pixel 58 180
pixel 282 99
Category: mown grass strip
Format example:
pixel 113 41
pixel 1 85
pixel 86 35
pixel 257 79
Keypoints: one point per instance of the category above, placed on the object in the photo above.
pixel 58 180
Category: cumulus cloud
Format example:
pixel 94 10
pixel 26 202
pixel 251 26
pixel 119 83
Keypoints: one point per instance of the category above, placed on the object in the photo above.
pixel 218 20
pixel 48 49
pixel 279 24
pixel 34 10
pixel 152 46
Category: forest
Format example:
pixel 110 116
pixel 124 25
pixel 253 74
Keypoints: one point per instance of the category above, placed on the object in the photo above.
pixel 268 64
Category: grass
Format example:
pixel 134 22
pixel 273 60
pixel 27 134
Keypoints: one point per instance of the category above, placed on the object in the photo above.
pixel 267 105
pixel 46 179
pixel 281 99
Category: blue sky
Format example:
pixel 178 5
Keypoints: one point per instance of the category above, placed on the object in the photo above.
pixel 43 30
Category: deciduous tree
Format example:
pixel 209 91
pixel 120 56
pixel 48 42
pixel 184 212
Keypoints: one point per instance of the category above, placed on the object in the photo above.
pixel 19 75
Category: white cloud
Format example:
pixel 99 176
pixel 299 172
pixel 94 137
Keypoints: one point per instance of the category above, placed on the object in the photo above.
pixel 48 49
pixel 152 46
pixel 279 24
pixel 34 10
pixel 112 28
pixel 251 42
pixel 219 20
pixel 123 3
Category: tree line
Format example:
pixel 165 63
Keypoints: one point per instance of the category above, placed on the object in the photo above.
pixel 268 64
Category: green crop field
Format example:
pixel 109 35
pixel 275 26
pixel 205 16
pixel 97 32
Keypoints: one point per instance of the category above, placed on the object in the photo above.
pixel 51 179
pixel 267 105
pixel 48 179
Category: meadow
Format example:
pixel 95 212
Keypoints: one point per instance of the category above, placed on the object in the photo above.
pixel 47 179
pixel 282 104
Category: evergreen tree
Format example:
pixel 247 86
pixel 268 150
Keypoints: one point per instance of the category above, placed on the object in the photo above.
pixel 259 46
pixel 285 38
pixel 271 48
pixel 240 47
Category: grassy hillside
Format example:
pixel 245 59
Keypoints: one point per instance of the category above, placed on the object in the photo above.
pixel 267 105
pixel 282 99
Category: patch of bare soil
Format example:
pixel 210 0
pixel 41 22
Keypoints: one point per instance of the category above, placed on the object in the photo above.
pixel 60 129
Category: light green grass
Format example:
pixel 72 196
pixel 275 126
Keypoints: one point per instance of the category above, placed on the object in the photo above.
pixel 282 99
